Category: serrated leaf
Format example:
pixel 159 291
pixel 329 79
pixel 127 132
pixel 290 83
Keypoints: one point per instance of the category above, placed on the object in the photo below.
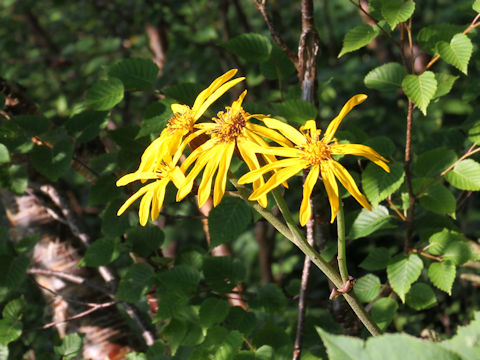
pixel 17 271
pixel 296 111
pixel 474 133
pixel 105 94
pixel 420 89
pixel 170 304
pixel 457 52
pixel 71 346
pixel 342 347
pixel 377 259
pixel 381 144
pixel 433 162
pixel 367 287
pixel 174 332
pixel 441 239
pixel 476 6
pixel 375 9
pixel 442 275
pixel 134 283
pixel 278 65
pixel 421 297
pixel 4 154
pixel 358 37
pixel 251 47
pixel 241 320
pixel 229 346
pixel 9 331
pixel 52 162
pixel 13 310
pixel 155 118
pixel 397 11
pixel 272 298
pixel 101 252
pixel 213 311
pixel 465 175
pixel 185 93
pixel 113 225
pixel 136 74
pixel 387 77
pixel 430 36
pixel 103 190
pixel 465 343
pixel 383 311
pixel 181 278
pixel 228 220
pixel 444 84
pixel 378 184
pixel 402 272
pixel 145 240
pixel 14 178
pixel 86 125
pixel 367 222
pixel 32 124
pixel 222 274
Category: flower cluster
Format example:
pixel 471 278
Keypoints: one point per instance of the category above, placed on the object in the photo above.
pixel 232 132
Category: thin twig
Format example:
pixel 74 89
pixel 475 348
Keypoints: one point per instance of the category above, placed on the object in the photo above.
pixel 424 254
pixel 392 205
pixel 408 178
pixel 261 6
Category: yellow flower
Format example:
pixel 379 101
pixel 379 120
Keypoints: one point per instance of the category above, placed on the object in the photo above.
pixel 311 151
pixel 183 120
pixel 231 129
pixel 154 192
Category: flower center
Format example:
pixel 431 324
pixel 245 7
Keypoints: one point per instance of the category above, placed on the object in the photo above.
pixel 229 125
pixel 316 152
pixel 183 121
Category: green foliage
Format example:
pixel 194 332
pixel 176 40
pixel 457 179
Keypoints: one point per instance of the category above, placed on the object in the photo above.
pixel 383 312
pixel 367 288
pixel 52 162
pixel 135 74
pixel 367 222
pixel 377 259
pixel 442 275
pixel 71 346
pixel 222 274
pixel 296 111
pixel 378 184
pixel 397 11
pixel 134 283
pixel 420 89
pixel 387 77
pixel 105 94
pixel 402 272
pixel 457 52
pixel 251 47
pixel 421 296
pixel 465 175
pixel 101 252
pixel 86 126
pixel 358 37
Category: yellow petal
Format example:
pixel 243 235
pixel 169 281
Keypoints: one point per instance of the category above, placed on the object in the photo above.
pixel 221 179
pixel 196 153
pixel 269 134
pixel 305 208
pixel 279 151
pixel 212 87
pixel 361 150
pixel 275 180
pixel 187 185
pixel 134 197
pixel 254 175
pixel 126 179
pixel 332 189
pixel 288 131
pixel 311 126
pixel 251 160
pixel 144 209
pixel 347 181
pixel 158 197
pixel 205 187
pixel 177 177
pixel 237 104
pixel 179 108
pixel 335 123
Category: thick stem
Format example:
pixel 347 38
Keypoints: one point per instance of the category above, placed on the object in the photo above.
pixel 341 256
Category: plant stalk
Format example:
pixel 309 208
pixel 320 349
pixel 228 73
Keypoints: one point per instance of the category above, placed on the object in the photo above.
pixel 341 256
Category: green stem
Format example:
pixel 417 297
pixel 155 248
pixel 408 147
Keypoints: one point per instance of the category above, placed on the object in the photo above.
pixel 341 257
pixel 294 234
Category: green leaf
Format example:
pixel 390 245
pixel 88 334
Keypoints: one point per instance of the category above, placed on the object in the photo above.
pixel 420 89
pixel 421 297
pixel 4 350
pixel 440 240
pixel 358 37
pixel 377 259
pixel 145 240
pixel 32 124
pixel 228 220
pixel 342 347
pixel 213 311
pixel 465 175
pixel 278 65
pixel 222 274
pixel 103 190
pixel 105 94
pixel 476 6
pixel 444 84
pixel 465 343
pixel 155 118
pixel 185 93
pixel 375 9
pixel 112 225
pixel 402 272
pixel 101 252
pixel 381 144
pixel 229 346
pixel 4 154
pixel 251 47
pixel 13 310
pixel 397 11
pixel 9 331
pixel 457 52
pixel 296 111
pixel 17 271
pixel 86 125
pixel 438 199
pixel 181 278
pixel 170 304
pixel 367 222
pixel 433 162
pixel 136 74
pixel 14 178
pixel 174 332
pixel 367 287
pixel 442 275
pixel 387 77
pixel 429 36
pixel 474 133
pixel 378 184
pixel 134 283
pixel 272 299
pixel 241 320
pixel 383 312
pixel 71 346
pixel 52 162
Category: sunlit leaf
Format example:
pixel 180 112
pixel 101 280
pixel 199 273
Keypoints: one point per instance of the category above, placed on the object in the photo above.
pixel 105 94
pixel 397 11
pixel 358 37
pixel 457 52
pixel 387 77
pixel 402 272
pixel 421 297
pixel 420 89
pixel 465 175
pixel 442 275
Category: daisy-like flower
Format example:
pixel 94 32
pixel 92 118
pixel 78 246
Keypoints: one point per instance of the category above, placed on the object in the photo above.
pixel 183 120
pixel 311 151
pixel 153 193
pixel 231 129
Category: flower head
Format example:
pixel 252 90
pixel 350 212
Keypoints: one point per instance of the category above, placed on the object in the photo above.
pixel 313 152
pixel 230 130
